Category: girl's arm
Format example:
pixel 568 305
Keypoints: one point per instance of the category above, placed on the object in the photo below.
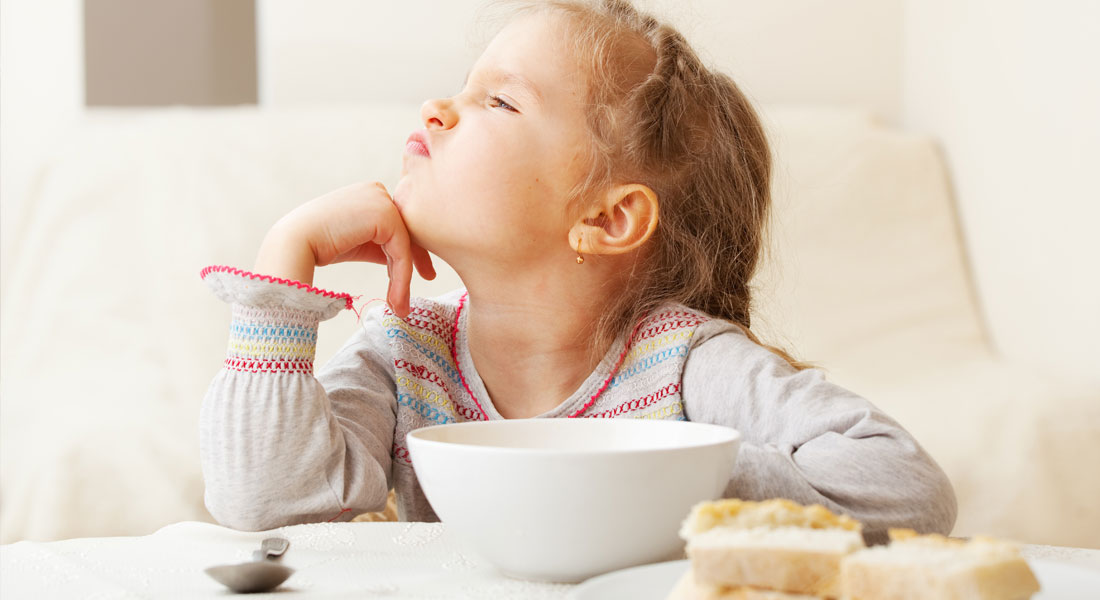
pixel 279 446
pixel 811 441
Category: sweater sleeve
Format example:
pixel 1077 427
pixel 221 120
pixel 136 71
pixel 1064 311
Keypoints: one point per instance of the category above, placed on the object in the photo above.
pixel 279 446
pixel 811 441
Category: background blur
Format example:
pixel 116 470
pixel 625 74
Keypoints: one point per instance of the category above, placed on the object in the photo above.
pixel 1009 88
pixel 142 140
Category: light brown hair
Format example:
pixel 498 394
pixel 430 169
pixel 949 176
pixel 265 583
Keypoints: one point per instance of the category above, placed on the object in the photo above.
pixel 659 117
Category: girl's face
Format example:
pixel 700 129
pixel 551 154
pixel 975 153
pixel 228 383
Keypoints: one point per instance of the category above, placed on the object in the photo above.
pixel 503 154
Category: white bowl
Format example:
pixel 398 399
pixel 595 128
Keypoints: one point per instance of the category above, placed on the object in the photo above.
pixel 566 499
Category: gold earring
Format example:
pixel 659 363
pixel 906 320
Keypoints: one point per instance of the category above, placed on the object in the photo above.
pixel 580 259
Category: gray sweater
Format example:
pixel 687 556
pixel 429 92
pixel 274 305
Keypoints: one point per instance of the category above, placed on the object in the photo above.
pixel 280 445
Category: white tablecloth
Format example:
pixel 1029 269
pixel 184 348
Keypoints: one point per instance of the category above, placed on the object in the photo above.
pixel 332 560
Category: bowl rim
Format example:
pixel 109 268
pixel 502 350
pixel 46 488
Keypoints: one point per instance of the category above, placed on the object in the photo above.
pixel 733 436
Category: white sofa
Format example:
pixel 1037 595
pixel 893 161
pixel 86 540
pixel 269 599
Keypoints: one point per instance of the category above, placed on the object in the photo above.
pixel 109 338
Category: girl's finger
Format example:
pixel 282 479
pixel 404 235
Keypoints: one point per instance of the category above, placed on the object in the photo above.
pixel 423 262
pixel 398 250
pixel 369 252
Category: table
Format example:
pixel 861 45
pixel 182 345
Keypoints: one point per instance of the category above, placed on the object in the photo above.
pixel 417 561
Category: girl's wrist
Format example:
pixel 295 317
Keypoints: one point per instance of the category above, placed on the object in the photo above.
pixel 287 254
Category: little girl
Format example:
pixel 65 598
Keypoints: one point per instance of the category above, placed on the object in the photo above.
pixel 602 196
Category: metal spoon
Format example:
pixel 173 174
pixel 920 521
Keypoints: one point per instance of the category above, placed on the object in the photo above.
pixel 263 574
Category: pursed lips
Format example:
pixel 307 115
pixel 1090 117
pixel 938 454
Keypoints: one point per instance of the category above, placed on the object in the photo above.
pixel 418 144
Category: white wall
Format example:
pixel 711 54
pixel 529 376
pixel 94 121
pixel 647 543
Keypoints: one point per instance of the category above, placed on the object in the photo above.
pixel 1009 87
pixel 312 51
pixel 41 91
pixel 843 52
pixel 1011 90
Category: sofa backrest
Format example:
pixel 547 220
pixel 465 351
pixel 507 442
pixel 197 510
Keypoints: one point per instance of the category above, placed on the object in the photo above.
pixel 866 257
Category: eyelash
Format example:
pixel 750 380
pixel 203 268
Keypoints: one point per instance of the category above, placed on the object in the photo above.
pixel 496 100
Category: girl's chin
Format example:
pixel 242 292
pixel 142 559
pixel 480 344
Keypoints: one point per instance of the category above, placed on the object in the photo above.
pixel 421 233
pixel 400 192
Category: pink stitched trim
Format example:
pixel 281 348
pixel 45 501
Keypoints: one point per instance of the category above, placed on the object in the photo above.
pixel 454 355
pixel 638 403
pixel 468 413
pixel 677 320
pixel 402 453
pixel 298 284
pixel 429 326
pixel 419 310
pixel 610 375
pixel 268 365
pixel 591 401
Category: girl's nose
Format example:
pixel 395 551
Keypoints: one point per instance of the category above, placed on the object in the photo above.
pixel 438 114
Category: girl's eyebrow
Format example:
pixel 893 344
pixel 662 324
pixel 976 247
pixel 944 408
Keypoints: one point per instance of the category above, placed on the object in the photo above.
pixel 498 76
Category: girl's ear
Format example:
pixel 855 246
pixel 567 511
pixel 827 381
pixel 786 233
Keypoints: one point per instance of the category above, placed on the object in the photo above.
pixel 622 222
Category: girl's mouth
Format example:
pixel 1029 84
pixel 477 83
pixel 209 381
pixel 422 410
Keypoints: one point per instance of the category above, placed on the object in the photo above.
pixel 418 144
pixel 415 147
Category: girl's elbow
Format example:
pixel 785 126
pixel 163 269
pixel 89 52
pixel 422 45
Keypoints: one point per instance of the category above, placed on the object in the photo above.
pixel 229 514
pixel 945 507
pixel 933 505
pixel 242 515
pixel 930 498
pixel 927 504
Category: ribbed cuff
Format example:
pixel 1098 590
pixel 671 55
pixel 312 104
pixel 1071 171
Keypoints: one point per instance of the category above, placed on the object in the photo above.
pixel 271 340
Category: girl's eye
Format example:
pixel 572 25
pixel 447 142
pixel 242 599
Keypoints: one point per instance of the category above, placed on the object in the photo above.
pixel 498 103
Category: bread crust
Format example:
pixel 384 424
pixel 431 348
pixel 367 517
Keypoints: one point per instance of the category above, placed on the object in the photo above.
pixel 791 570
pixel 777 512
pixel 1010 579
pixel 687 588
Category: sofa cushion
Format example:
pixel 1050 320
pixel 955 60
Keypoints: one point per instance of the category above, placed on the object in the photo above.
pixel 110 338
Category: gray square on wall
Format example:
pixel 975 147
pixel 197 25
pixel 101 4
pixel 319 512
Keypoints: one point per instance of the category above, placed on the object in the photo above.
pixel 189 52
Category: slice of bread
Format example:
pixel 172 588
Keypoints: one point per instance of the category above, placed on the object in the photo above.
pixel 933 567
pixel 688 589
pixel 775 545
pixel 778 512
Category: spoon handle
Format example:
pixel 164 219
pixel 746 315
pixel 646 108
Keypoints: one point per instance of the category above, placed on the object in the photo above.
pixel 271 548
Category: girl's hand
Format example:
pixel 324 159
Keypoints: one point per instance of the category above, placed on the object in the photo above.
pixel 358 222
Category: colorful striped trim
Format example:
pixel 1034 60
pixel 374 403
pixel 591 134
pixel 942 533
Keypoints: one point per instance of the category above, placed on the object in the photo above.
pixel 429 326
pixel 271 350
pixel 426 312
pixel 683 320
pixel 268 365
pixel 426 393
pixel 419 371
pixel 432 341
pixel 298 284
pixel 438 359
pixel 271 341
pixel 288 331
pixel 654 344
pixel 454 356
pixel 422 373
pixel 638 403
pixel 576 413
pixel 665 412
pixel 424 409
pixel 650 360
